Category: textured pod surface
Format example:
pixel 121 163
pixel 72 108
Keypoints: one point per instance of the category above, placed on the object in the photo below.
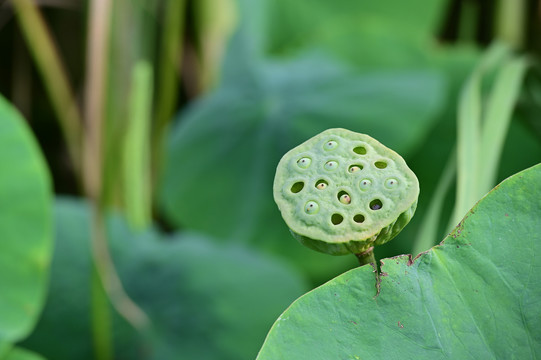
pixel 369 193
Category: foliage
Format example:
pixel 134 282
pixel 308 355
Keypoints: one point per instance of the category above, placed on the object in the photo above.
pixel 171 245
pixel 193 290
pixel 266 120
pixel 473 295
pixel 25 227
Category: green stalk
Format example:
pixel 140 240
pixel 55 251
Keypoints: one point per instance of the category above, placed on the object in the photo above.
pixel 367 257
pixel 511 20
pixel 54 77
pixel 428 232
pixel 96 70
pixel 136 162
pixel 109 287
pixel 101 319
pixel 96 74
pixel 498 115
pixel 215 21
pixel 168 73
pixel 468 21
pixel 468 127
pixel 469 122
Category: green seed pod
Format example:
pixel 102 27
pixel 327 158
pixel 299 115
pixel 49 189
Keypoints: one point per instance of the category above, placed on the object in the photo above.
pixel 346 213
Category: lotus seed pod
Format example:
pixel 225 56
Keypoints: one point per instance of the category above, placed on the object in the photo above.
pixel 369 194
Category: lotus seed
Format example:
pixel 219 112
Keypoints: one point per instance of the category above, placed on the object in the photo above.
pixel 380 164
pixel 345 199
pixel 354 168
pixel 365 184
pixel 311 208
pixel 391 183
pixel 331 165
pixel 304 163
pixel 330 145
pixel 376 204
pixel 321 185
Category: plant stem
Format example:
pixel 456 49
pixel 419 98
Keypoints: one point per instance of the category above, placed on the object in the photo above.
pixel 367 257
pixel 96 70
pixel 498 113
pixel 109 277
pixel 96 74
pixel 510 24
pixel 469 126
pixel 428 231
pixel 49 64
pixel 101 319
pixel 136 159
pixel 168 73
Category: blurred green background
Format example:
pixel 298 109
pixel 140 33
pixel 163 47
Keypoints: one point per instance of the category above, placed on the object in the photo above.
pixel 162 123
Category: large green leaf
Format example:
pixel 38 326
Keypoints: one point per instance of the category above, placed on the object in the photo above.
pixel 223 153
pixel 205 301
pixel 474 296
pixel 25 226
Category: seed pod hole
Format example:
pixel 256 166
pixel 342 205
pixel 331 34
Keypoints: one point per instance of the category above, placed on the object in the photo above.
pixel 355 168
pixel 336 219
pixel 391 183
pixel 331 165
pixel 304 162
pixel 311 208
pixel 361 150
pixel 344 197
pixel 330 145
pixel 380 164
pixel 365 184
pixel 376 204
pixel 321 184
pixel 297 187
pixel 359 218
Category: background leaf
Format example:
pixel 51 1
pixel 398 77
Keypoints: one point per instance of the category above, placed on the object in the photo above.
pixel 205 301
pixel 25 226
pixel 475 295
pixel 369 34
pixel 222 155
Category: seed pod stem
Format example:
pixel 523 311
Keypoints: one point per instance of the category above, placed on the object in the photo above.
pixel 367 257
